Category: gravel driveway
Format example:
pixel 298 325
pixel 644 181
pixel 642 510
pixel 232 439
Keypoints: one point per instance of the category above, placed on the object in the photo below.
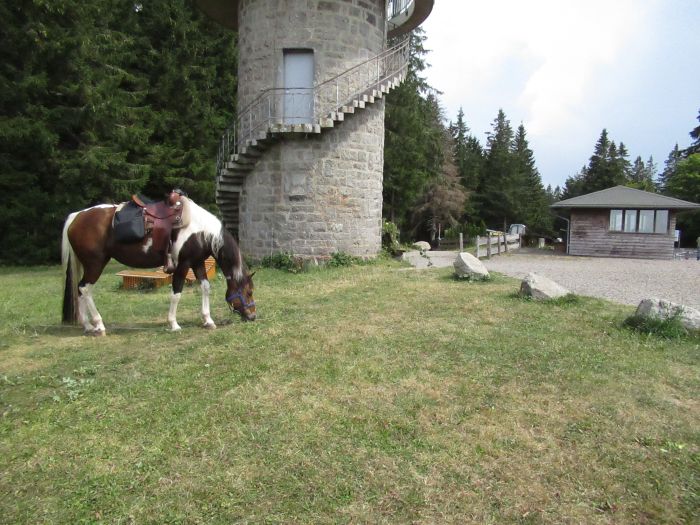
pixel 626 281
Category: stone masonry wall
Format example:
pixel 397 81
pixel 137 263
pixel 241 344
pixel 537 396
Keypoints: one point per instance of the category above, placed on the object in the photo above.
pixel 320 193
pixel 317 195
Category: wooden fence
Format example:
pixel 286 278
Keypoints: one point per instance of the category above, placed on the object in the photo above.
pixel 496 243
pixel 486 245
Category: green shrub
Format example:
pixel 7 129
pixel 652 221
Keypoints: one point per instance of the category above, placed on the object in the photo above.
pixel 282 261
pixel 670 328
pixel 468 230
pixel 339 259
pixel 390 237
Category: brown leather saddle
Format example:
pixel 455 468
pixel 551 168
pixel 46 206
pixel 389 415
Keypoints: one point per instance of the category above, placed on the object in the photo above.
pixel 161 218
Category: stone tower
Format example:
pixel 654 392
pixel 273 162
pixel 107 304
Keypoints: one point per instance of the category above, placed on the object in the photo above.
pixel 300 171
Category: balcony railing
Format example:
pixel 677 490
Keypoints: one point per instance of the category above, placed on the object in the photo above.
pixel 279 109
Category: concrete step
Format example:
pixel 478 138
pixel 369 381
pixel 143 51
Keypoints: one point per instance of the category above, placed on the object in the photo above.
pixel 227 187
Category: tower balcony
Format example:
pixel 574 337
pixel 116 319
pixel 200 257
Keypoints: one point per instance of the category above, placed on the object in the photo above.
pixel 402 15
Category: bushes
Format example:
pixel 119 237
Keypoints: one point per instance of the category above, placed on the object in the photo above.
pixel 287 261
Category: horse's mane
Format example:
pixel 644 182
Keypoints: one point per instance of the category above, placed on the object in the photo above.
pixel 221 242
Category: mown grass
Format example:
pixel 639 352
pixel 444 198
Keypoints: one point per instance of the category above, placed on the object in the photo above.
pixel 368 394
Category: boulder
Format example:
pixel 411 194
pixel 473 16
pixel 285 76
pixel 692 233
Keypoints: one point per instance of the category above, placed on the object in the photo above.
pixel 541 288
pixel 469 267
pixel 422 246
pixel 661 309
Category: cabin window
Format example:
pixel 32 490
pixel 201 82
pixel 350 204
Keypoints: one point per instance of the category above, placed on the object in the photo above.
pixel 646 221
pixel 661 221
pixel 639 221
pixel 616 220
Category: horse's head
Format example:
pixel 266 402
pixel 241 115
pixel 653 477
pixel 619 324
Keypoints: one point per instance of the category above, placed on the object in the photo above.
pixel 239 296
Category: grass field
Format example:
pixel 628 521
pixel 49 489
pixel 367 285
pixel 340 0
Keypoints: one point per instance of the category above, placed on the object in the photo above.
pixel 368 394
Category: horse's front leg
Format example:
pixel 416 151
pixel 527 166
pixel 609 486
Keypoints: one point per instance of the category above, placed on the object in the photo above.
pixel 178 283
pixel 201 273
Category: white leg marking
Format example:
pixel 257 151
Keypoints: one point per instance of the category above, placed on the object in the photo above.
pixel 89 302
pixel 172 314
pixel 83 316
pixel 206 315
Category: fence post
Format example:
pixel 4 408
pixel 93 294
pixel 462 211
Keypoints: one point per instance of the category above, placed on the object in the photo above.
pixel 461 243
pixel 478 240
pixel 505 244
pixel 498 241
pixel 488 245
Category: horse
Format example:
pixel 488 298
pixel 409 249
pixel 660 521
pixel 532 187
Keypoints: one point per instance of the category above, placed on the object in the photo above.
pixel 88 244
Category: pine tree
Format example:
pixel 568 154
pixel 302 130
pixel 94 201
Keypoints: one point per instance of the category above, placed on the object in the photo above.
pixel 495 198
pixel 102 99
pixel 469 155
pixel 685 184
pixel 527 187
pixel 670 166
pixel 413 153
pixel 442 202
pixel 695 135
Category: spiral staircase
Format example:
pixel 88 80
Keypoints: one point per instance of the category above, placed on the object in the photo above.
pixel 268 119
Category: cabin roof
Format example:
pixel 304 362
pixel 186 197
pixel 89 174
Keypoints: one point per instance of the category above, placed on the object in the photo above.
pixel 625 197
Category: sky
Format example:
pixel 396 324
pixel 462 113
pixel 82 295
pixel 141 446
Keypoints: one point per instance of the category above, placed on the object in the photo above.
pixel 566 69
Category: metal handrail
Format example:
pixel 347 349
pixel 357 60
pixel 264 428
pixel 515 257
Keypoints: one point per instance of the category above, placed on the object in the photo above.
pixel 289 106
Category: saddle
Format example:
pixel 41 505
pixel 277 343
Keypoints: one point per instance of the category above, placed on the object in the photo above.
pixel 161 218
pixel 157 219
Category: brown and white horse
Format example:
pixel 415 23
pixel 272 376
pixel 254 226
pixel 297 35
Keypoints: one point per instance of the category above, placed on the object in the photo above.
pixel 88 244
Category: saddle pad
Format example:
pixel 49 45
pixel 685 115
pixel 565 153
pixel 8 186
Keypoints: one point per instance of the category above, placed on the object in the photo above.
pixel 129 224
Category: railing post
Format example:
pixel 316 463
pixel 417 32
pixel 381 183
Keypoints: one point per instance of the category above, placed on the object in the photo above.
pixel 461 243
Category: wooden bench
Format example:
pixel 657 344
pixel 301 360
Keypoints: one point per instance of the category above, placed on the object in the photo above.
pixel 134 279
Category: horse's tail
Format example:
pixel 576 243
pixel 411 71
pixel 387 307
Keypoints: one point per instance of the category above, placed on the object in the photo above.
pixel 71 271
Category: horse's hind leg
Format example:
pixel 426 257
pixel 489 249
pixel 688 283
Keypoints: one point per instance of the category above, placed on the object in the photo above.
pixel 87 311
pixel 89 315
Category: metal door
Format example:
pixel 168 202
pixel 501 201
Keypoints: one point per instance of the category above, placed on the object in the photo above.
pixel 298 86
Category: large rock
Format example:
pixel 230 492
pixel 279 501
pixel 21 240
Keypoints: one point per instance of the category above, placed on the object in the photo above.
pixel 541 288
pixel 422 246
pixel 469 267
pixel 661 309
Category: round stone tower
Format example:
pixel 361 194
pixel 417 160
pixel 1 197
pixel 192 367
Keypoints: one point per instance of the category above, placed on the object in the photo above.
pixel 300 171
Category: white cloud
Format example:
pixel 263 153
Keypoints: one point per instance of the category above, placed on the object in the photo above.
pixel 553 65
pixel 545 55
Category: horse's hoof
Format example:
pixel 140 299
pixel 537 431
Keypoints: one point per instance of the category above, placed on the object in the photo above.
pixel 209 326
pixel 175 328
pixel 96 333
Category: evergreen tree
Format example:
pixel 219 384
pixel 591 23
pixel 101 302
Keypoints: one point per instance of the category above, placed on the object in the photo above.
pixel 527 187
pixel 102 99
pixel 607 167
pixel 670 167
pixel 574 185
pixel 496 195
pixel 695 146
pixel 685 184
pixel 413 153
pixel 442 202
pixel 469 155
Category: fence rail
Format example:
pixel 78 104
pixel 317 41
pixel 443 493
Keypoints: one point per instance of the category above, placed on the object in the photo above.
pixel 503 243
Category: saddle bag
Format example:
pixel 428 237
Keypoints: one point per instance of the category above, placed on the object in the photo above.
pixel 129 224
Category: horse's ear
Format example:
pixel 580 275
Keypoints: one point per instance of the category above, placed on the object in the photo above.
pixel 250 276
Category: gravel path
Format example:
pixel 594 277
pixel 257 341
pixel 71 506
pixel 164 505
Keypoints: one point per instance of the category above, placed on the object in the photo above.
pixel 625 281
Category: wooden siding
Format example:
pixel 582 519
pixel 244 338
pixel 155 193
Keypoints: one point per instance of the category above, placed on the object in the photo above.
pixel 590 235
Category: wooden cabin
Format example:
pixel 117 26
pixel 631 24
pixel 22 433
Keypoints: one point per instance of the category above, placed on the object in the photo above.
pixel 623 222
